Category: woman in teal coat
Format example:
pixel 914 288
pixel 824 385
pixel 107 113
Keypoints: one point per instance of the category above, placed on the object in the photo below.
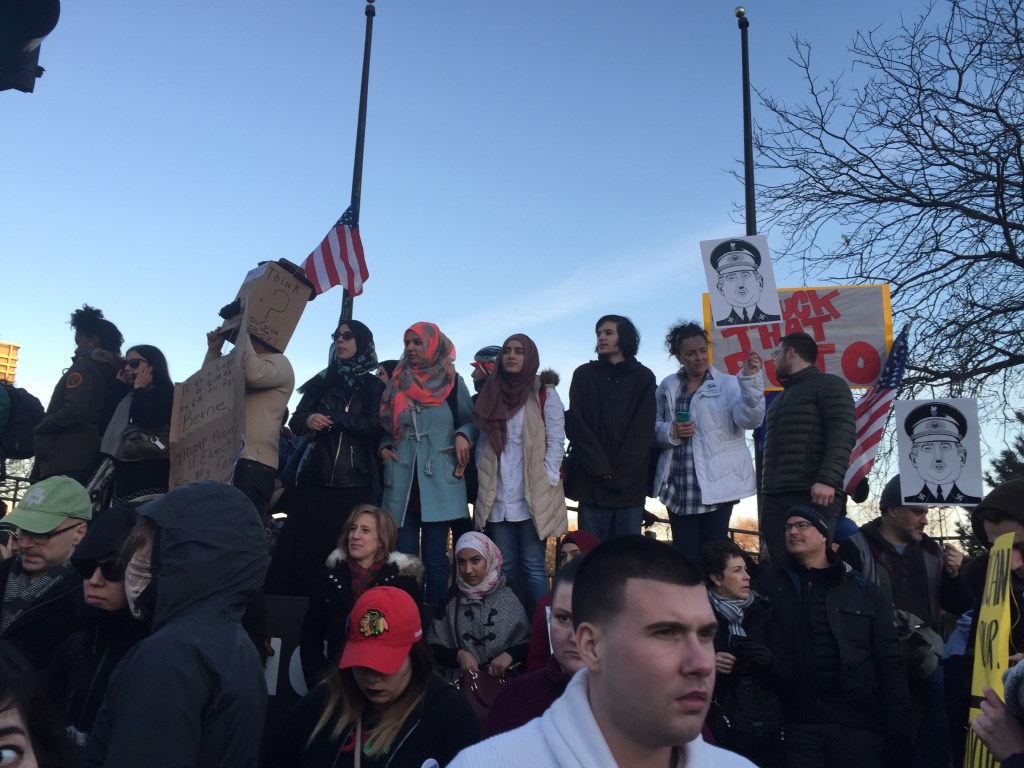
pixel 426 414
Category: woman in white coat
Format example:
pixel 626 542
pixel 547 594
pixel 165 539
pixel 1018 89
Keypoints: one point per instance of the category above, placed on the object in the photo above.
pixel 702 414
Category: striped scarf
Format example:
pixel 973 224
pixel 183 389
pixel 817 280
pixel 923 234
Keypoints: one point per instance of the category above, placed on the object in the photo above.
pixel 731 611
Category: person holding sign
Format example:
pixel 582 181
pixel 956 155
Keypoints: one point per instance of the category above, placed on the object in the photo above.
pixel 702 415
pixel 269 381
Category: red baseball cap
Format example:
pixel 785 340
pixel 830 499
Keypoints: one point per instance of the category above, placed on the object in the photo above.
pixel 383 626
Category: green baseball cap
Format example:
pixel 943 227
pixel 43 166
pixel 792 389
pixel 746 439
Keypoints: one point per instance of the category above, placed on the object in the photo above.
pixel 47 503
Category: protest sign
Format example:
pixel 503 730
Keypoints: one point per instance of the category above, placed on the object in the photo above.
pixel 208 421
pixel 852 326
pixel 992 646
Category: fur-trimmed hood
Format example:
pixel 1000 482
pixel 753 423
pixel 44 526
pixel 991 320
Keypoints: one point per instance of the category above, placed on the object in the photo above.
pixel 407 565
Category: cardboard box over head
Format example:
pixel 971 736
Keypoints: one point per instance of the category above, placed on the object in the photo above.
pixel 275 294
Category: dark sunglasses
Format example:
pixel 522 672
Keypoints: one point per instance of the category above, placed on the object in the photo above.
pixel 343 335
pixel 134 363
pixel 108 569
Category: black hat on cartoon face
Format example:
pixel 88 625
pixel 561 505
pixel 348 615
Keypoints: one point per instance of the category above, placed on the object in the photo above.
pixel 735 256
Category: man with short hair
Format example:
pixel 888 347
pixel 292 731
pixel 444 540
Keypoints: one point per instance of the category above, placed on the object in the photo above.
pixel 810 431
pixel 610 425
pixel 921 578
pixel 848 691
pixel 645 631
pixel 39 587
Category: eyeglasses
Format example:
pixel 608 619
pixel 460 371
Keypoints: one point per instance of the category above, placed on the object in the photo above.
pixel 803 525
pixel 20 535
pixel 780 352
pixel 134 362
pixel 343 335
pixel 109 569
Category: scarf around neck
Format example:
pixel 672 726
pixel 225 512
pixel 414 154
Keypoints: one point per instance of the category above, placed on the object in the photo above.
pixel 731 610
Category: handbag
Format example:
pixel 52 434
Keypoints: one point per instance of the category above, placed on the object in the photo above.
pixel 479 689
pixel 144 445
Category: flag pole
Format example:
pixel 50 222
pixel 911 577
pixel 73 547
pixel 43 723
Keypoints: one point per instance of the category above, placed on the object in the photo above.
pixel 357 169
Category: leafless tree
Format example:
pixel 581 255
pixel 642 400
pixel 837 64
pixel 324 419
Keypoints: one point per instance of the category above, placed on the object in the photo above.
pixel 913 176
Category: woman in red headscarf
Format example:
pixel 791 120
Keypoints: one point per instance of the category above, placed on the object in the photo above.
pixel 520 501
pixel 428 431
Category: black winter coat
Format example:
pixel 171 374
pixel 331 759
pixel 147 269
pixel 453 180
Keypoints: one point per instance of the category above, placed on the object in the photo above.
pixel 48 622
pixel 78 676
pixel 871 691
pixel 344 456
pixel 442 726
pixel 810 431
pixel 331 602
pixel 193 692
pixel 610 423
pixel 67 440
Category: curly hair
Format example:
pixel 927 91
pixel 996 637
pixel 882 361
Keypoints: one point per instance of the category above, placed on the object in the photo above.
pixel 680 332
pixel 90 322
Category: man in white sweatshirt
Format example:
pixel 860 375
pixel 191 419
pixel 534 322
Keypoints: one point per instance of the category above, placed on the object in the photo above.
pixel 645 631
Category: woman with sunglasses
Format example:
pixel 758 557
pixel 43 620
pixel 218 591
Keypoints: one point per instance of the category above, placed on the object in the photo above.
pixel 339 469
pixel 81 667
pixel 147 408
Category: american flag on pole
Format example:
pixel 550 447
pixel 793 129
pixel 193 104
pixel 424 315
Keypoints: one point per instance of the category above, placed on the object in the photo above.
pixel 339 259
pixel 873 411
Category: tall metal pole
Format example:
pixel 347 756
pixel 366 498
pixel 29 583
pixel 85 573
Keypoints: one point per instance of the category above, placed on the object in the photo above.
pixel 748 133
pixel 357 168
pixel 748 185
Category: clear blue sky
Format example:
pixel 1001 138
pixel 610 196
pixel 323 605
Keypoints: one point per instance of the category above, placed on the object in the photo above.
pixel 529 166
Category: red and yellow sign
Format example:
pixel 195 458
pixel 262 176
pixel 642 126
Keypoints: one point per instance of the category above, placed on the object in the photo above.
pixel 851 324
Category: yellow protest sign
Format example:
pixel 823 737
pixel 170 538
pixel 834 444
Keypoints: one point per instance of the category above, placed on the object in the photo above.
pixel 992 644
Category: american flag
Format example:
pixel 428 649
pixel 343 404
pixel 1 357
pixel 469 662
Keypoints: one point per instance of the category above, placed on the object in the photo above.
pixel 873 411
pixel 339 259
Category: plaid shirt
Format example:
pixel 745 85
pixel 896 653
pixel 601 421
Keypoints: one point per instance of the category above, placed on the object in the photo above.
pixel 681 491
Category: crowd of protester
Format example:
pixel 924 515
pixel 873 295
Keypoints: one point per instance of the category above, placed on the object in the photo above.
pixel 133 627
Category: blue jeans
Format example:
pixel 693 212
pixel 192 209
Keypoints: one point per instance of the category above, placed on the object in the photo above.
pixel 691 532
pixel 523 555
pixel 434 553
pixel 606 522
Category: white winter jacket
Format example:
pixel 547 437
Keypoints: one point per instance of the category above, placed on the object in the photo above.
pixel 721 410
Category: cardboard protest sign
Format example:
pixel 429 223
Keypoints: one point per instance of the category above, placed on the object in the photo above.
pixel 741 283
pixel 992 645
pixel 852 326
pixel 270 301
pixel 940 451
pixel 208 421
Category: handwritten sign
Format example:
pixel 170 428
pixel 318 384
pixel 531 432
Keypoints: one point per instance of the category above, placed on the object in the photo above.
pixel 207 421
pixel 852 326
pixel 274 300
pixel 992 645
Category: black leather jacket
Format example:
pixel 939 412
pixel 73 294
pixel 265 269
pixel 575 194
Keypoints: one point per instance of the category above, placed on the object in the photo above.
pixel 344 456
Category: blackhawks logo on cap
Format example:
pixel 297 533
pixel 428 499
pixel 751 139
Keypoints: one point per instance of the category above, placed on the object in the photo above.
pixel 373 623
